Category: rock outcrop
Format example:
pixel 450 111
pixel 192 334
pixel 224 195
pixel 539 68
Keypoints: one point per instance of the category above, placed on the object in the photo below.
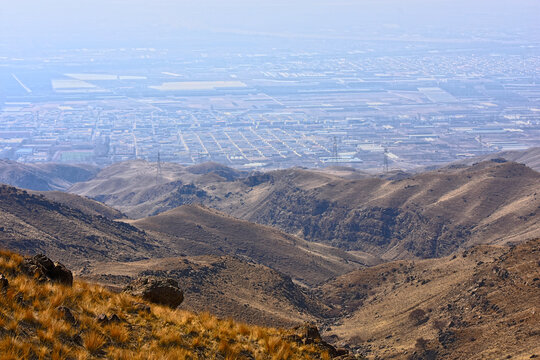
pixel 45 269
pixel 309 334
pixel 164 291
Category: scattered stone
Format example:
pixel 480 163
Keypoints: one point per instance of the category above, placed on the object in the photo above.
pixel 43 268
pixel 102 319
pixel 140 307
pixel 501 273
pixel 446 338
pixel 114 318
pixel 62 274
pixel 308 333
pixel 164 291
pixel 67 314
pixel 342 352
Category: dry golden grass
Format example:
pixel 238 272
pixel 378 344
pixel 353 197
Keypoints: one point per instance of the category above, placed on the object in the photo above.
pixel 31 326
pixel 118 333
pixel 93 341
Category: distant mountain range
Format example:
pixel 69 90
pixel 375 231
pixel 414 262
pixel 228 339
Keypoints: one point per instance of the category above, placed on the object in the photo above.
pixel 422 215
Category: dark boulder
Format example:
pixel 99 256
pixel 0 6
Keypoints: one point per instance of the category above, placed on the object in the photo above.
pixel 164 291
pixel 45 269
pixel 62 274
pixel 4 283
pixel 114 319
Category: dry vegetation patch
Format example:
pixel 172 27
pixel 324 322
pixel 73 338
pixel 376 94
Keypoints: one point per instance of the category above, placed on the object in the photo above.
pixel 44 320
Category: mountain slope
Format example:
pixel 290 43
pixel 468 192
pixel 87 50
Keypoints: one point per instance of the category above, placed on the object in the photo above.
pixel 480 304
pixel 135 188
pixel 85 205
pixel 44 177
pixel 223 285
pixel 55 321
pixel 195 230
pixel 33 224
pixel 424 215
pixel 97 247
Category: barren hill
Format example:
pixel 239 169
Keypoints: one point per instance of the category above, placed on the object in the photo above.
pixel 223 285
pixel 85 205
pixel 44 177
pixel 139 190
pixel 196 230
pixel 424 215
pixel 32 224
pixel 481 304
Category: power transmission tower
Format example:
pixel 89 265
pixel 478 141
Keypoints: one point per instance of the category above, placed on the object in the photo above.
pixel 481 144
pixel 385 160
pixel 158 169
pixel 335 151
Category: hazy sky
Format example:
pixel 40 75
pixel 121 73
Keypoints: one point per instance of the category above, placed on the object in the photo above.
pixel 83 21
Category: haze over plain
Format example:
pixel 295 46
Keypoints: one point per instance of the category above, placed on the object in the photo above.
pixel 60 23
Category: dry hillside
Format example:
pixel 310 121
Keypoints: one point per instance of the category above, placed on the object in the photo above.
pixel 47 320
pixel 480 304
pixel 429 214
pixel 223 285
pixel 32 224
pixel 85 205
pixel 135 188
pixel 97 247
pixel 44 177
pixel 196 230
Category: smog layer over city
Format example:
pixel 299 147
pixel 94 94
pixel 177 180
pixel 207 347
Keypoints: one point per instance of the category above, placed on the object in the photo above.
pixel 268 84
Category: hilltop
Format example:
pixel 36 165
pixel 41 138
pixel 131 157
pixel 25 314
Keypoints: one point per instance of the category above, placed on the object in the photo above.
pixel 53 320
pixel 529 157
pixel 139 190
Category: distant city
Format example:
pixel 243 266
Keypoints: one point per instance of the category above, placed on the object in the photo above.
pixel 363 106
